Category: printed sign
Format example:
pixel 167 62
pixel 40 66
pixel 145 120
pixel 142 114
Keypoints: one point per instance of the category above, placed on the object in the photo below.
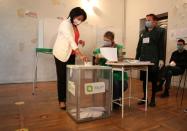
pixel 94 88
pixel 71 87
pixel 146 40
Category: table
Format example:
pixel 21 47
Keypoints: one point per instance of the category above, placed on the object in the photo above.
pixel 37 51
pixel 130 65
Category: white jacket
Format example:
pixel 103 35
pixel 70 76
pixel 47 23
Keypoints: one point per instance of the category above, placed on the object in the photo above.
pixel 65 41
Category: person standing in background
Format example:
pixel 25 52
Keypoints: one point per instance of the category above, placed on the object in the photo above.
pixel 151 48
pixel 66 48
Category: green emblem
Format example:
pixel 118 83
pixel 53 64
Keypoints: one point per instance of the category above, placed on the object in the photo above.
pixel 89 88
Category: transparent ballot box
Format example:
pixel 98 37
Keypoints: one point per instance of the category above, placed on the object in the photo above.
pixel 88 92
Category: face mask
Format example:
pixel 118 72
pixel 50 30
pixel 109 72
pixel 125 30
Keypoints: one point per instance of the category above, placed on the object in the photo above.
pixel 148 24
pixel 180 47
pixel 76 22
pixel 107 43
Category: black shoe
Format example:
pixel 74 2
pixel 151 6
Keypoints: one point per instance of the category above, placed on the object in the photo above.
pixel 62 105
pixel 141 102
pixel 152 103
pixel 63 108
pixel 158 89
pixel 165 95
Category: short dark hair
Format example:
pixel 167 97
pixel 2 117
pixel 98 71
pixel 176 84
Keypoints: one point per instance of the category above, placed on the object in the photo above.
pixel 77 11
pixel 155 18
pixel 181 40
pixel 109 35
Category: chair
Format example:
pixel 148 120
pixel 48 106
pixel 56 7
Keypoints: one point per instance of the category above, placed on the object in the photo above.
pixel 184 77
pixel 37 51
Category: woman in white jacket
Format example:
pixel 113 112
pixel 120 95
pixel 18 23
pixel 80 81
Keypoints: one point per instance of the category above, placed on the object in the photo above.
pixel 65 49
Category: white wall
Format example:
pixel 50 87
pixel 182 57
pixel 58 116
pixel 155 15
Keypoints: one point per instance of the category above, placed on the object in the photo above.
pixel 18 34
pixel 137 9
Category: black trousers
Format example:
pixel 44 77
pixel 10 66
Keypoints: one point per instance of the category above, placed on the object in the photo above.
pixel 61 77
pixel 153 77
pixel 167 74
pixel 117 85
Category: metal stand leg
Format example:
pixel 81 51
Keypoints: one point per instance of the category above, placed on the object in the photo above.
pixel 122 104
pixel 112 91
pixel 130 88
pixel 146 92
pixel 35 74
pixel 183 87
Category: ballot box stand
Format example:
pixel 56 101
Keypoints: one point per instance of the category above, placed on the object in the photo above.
pixel 88 92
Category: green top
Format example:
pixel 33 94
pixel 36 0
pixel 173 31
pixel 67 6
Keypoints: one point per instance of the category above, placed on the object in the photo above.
pixel 117 74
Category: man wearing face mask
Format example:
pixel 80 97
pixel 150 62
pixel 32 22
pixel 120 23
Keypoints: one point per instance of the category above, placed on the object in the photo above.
pixel 177 65
pixel 151 48
pixel 66 48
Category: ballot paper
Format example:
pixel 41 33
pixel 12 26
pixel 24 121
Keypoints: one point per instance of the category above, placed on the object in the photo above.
pixel 132 61
pixel 109 53
pixel 89 112
pixel 137 62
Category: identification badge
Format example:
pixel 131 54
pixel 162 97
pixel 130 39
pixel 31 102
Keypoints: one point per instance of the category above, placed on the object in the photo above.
pixel 146 40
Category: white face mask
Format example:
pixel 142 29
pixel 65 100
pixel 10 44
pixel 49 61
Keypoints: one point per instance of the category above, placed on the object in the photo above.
pixel 76 22
pixel 148 24
pixel 107 43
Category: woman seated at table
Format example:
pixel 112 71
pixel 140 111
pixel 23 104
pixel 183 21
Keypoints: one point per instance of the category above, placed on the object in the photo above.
pixel 117 79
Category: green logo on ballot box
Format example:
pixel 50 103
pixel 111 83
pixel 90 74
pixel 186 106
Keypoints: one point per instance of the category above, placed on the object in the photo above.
pixel 94 88
pixel 89 88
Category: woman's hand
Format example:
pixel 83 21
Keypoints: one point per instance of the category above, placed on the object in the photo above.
pixel 81 42
pixel 84 58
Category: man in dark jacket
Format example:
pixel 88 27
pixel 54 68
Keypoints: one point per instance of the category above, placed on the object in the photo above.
pixel 151 48
pixel 177 65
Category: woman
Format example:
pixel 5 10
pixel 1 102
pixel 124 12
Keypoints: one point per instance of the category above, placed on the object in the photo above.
pixel 65 49
pixel 117 79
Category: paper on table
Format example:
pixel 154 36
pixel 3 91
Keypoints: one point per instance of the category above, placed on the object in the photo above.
pixel 109 53
pixel 137 62
pixel 132 61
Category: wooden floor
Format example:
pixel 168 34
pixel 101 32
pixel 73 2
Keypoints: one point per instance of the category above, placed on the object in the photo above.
pixel 41 112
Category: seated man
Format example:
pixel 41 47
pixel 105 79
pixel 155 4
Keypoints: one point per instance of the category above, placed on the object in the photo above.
pixel 177 65
pixel 117 79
